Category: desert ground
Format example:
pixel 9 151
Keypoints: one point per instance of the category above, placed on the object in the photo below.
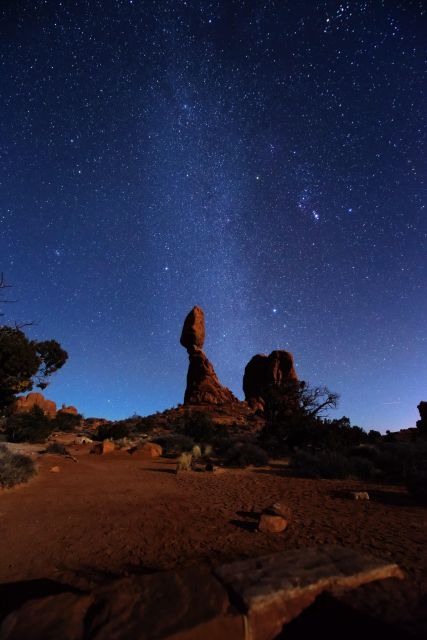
pixel 104 516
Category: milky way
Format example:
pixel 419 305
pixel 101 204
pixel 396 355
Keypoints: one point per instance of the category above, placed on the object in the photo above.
pixel 261 159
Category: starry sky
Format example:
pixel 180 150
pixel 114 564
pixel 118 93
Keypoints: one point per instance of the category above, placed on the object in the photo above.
pixel 263 159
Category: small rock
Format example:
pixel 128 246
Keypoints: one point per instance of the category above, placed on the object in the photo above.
pixel 151 450
pixel 104 447
pixel 55 469
pixel 359 495
pixel 271 523
pixel 279 509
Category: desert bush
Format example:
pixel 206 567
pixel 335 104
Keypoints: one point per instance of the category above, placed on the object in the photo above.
pixel 332 465
pixel 200 427
pixel 196 452
pixel 145 425
pixel 208 450
pixel 15 468
pixel 242 454
pixel 184 462
pixel 113 431
pixel 57 448
pixel 66 421
pixel 175 444
pixel 416 483
pixel 32 426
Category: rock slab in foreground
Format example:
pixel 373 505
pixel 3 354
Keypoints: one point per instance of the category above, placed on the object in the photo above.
pixel 249 599
pixel 275 589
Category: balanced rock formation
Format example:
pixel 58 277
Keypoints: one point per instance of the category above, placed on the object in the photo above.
pixel 203 386
pixel 26 403
pixel 422 408
pixel 264 372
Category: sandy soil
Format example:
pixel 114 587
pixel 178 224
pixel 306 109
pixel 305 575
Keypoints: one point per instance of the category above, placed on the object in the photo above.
pixel 106 515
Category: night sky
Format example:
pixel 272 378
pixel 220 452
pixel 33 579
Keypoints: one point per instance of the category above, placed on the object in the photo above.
pixel 262 159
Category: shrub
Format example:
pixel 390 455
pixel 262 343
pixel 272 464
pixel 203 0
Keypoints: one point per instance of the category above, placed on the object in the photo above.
pixel 200 427
pixel 33 426
pixel 113 431
pixel 66 421
pixel 14 468
pixel 175 444
pixel 184 462
pixel 416 482
pixel 145 425
pixel 57 448
pixel 243 454
pixel 196 452
pixel 333 465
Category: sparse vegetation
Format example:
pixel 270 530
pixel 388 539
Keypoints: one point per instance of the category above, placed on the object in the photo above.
pixel 32 426
pixel 332 465
pixel 200 427
pixel 57 448
pixel 113 431
pixel 175 444
pixel 67 421
pixel 243 454
pixel 184 462
pixel 15 468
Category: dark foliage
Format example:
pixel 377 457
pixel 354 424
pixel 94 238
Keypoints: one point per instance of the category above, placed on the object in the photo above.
pixel 332 464
pixel 33 426
pixel 67 421
pixel 416 482
pixel 57 448
pixel 200 427
pixel 15 468
pixel 175 444
pixel 25 363
pixel 113 431
pixel 243 454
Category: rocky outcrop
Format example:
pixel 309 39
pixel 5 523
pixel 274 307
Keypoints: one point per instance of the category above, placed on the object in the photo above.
pixel 422 408
pixel 250 598
pixel 70 409
pixel 264 372
pixel 26 403
pixel 203 386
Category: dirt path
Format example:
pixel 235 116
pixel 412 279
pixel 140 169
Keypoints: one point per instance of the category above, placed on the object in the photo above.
pixel 109 514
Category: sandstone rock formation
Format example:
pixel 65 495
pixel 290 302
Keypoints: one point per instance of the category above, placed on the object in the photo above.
pixel 250 598
pixel 70 409
pixel 28 402
pixel 203 386
pixel 263 372
pixel 422 408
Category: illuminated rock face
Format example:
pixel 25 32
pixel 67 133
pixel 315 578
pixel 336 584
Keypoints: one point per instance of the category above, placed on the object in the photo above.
pixel 203 386
pixel 28 402
pixel 264 372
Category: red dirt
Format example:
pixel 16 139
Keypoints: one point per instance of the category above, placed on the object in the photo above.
pixel 106 515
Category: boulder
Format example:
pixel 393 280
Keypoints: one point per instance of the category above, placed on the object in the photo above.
pixel 359 495
pixel 203 386
pixel 279 509
pixel 193 331
pixel 55 469
pixel 269 523
pixel 150 450
pixel 101 448
pixel 264 372
pixel 24 404
pixel 274 589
